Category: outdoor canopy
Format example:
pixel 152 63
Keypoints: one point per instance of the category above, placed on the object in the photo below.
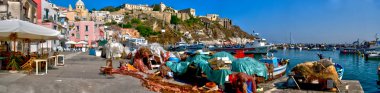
pixel 71 42
pixel 26 30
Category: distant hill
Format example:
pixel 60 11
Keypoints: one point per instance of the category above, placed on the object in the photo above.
pixel 192 29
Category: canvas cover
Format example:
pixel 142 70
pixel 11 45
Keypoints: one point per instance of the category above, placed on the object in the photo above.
pixel 179 68
pixel 250 66
pixel 223 54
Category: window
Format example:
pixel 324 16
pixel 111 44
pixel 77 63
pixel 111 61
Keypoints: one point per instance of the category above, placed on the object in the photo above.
pixel 77 28
pixel 72 35
pixel 86 37
pixel 86 28
pixel 78 36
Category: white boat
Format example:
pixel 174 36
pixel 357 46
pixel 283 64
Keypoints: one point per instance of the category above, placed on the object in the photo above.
pixel 258 46
pixel 372 55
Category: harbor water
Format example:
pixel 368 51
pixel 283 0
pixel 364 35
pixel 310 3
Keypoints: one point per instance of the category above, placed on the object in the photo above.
pixel 356 68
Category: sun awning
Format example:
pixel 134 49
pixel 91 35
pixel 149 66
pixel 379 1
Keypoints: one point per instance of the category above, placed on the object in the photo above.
pixel 26 30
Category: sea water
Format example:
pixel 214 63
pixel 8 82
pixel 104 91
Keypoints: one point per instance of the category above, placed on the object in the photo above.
pixel 356 68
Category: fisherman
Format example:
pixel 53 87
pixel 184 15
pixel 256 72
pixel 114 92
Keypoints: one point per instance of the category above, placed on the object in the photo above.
pixel 320 56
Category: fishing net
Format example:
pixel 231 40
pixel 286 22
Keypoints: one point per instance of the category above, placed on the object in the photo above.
pixel 320 70
pixel 250 66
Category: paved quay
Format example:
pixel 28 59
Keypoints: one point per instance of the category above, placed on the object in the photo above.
pixel 347 86
pixel 79 75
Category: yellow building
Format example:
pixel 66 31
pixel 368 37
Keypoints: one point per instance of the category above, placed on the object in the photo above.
pixel 79 14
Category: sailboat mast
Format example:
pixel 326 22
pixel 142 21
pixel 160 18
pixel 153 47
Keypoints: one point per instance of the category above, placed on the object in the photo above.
pixel 291 39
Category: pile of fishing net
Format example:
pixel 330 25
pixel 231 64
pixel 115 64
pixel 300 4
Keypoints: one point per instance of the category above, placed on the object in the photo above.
pixel 157 84
pixel 320 70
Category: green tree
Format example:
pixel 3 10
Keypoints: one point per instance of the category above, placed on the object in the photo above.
pixel 146 31
pixel 135 21
pixel 113 22
pixel 175 20
pixel 128 25
pixel 192 21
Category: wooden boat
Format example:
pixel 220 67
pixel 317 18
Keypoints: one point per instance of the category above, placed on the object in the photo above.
pixel 339 69
pixel 280 66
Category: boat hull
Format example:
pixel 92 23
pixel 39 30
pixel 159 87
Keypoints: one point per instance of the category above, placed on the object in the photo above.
pixel 256 50
pixel 339 70
pixel 279 70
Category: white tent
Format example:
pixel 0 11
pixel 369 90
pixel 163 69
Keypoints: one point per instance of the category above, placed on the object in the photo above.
pixel 26 30
pixel 82 42
pixel 71 42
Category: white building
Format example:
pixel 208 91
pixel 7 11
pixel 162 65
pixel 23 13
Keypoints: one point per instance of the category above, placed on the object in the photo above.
pixel 212 17
pixel 117 17
pixel 138 7
pixel 100 16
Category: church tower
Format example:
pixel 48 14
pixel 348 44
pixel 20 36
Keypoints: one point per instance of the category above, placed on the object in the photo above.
pixel 80 5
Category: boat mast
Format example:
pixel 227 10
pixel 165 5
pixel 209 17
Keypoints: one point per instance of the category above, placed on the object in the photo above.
pixel 377 38
pixel 291 39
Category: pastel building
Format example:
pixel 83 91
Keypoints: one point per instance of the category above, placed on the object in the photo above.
pixel 48 16
pixel 80 13
pixel 84 31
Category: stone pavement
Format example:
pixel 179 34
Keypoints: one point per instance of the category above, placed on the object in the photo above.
pixel 79 75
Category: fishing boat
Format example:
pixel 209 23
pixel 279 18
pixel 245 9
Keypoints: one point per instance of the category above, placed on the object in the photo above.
pixel 280 66
pixel 349 51
pixel 339 69
pixel 257 46
pixel 196 46
pixel 180 46
pixel 372 55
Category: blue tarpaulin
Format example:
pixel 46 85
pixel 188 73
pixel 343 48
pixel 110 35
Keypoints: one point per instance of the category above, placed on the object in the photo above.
pixel 92 52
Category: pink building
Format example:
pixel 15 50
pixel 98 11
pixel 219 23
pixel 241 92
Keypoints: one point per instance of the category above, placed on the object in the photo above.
pixel 84 31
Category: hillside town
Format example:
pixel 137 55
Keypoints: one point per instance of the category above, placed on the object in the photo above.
pixel 77 23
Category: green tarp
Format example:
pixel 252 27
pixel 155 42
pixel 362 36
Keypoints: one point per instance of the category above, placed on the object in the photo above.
pixel 249 66
pixel 178 68
pixel 102 42
pixel 198 59
pixel 223 54
pixel 217 76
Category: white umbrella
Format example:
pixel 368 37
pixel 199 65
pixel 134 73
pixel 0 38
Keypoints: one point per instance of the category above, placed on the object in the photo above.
pixel 26 30
pixel 71 42
pixel 82 42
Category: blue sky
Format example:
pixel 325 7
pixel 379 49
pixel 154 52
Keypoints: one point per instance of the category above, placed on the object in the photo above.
pixel 309 21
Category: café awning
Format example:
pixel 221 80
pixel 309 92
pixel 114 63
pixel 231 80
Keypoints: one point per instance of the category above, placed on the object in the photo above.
pixel 26 30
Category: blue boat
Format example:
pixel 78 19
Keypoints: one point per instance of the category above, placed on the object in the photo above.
pixel 339 69
pixel 279 66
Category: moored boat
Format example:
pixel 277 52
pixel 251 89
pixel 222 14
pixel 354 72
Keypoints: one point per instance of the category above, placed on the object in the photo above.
pixel 276 67
pixel 372 55
pixel 339 69
pixel 258 46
